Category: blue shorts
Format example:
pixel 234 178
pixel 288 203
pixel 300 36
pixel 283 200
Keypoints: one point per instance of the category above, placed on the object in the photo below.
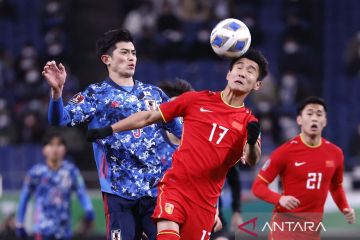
pixel 128 219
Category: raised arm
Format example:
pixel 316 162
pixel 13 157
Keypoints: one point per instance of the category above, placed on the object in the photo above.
pixel 135 121
pixel 55 76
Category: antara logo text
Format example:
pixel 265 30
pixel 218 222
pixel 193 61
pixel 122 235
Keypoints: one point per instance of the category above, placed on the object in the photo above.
pixel 287 226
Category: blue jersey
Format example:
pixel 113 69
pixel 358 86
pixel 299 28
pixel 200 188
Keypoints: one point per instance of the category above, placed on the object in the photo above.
pixel 129 164
pixel 166 150
pixel 52 189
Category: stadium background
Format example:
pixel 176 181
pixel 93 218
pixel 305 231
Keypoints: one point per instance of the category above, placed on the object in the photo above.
pixel 313 47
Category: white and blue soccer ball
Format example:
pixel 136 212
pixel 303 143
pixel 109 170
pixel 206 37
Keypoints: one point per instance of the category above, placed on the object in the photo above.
pixel 230 38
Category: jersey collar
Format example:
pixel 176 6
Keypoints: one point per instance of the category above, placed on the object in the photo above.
pixel 308 145
pixel 117 86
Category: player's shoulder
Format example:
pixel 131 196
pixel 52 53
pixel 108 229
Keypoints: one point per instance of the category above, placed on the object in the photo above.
pixel 69 165
pixel 330 146
pixel 38 169
pixel 288 145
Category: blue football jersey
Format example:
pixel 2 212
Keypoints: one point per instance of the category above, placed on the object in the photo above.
pixel 166 150
pixel 52 190
pixel 129 163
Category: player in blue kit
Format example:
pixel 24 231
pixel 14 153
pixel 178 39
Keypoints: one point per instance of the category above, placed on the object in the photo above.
pixel 129 164
pixel 52 183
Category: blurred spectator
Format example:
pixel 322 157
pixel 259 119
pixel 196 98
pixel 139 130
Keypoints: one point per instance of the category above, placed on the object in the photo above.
pixel 140 18
pixel 352 56
pixel 7 128
pixel 31 127
pixel 354 149
pixel 194 10
pixel 171 33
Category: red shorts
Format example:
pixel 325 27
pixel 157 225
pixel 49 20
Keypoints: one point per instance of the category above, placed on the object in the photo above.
pixel 195 222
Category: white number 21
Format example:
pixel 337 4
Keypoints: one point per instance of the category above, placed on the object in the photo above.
pixel 314 180
pixel 221 135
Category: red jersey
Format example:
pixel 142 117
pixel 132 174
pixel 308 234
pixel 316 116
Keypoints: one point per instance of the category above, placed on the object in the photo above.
pixel 306 172
pixel 214 135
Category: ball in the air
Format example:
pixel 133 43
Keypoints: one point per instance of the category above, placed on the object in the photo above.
pixel 230 38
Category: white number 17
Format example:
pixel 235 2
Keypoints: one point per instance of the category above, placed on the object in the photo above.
pixel 221 135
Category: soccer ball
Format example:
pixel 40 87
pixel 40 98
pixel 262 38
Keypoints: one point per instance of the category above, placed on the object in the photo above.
pixel 230 38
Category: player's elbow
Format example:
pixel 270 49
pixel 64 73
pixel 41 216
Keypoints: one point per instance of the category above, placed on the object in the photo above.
pixel 256 188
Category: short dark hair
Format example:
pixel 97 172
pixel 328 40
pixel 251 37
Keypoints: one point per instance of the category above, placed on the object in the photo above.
pixel 311 100
pixel 173 89
pixel 106 43
pixel 51 135
pixel 259 58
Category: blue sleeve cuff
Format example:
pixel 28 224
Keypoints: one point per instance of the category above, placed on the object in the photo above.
pixel 56 112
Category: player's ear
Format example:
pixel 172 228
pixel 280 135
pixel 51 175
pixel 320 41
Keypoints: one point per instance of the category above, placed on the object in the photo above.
pixel 228 75
pixel 106 59
pixel 299 120
pixel 257 85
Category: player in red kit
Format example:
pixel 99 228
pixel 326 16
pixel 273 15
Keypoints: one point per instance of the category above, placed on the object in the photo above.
pixel 309 167
pixel 218 131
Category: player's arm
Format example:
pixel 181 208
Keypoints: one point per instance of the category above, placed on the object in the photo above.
pixel 252 150
pixel 260 188
pixel 233 179
pixel 134 121
pixel 338 194
pixel 83 195
pixel 24 198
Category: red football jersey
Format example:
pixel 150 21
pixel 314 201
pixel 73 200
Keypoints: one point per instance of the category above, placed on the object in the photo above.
pixel 214 135
pixel 306 172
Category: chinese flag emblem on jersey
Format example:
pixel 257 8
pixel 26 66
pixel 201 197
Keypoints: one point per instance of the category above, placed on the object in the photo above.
pixel 169 208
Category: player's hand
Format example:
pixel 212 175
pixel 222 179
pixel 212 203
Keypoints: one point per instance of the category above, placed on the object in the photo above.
pixel 21 233
pixel 217 224
pixel 289 202
pixel 55 75
pixel 253 132
pixel 236 220
pixel 350 215
pixel 98 133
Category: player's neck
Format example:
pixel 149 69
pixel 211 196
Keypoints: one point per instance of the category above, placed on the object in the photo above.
pixel 53 164
pixel 311 141
pixel 121 80
pixel 232 99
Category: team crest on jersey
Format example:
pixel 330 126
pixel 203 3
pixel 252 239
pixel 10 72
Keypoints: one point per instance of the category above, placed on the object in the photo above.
pixel 116 234
pixel 266 164
pixel 77 98
pixel 150 104
pixel 169 208
pixel 329 163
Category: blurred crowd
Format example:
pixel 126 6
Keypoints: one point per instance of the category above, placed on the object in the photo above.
pixel 175 29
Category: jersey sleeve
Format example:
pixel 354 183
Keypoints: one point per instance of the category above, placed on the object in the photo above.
pixel 79 187
pixel 336 188
pixel 177 107
pixel 80 108
pixel 26 192
pixel 273 166
pixel 174 126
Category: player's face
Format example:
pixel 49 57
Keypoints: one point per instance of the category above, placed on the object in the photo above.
pixel 243 76
pixel 55 150
pixel 312 119
pixel 122 61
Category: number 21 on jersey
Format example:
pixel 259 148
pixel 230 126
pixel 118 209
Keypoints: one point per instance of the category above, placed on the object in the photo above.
pixel 218 138
pixel 313 180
